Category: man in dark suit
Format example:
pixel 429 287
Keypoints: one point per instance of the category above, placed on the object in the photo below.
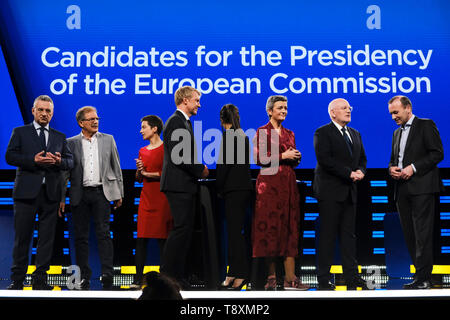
pixel 341 162
pixel 95 181
pixel 179 180
pixel 416 151
pixel 40 153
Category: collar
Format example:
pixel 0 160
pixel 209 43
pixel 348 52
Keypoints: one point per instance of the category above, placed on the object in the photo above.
pixel 184 114
pixel 37 126
pixel 339 126
pixel 94 136
pixel 409 123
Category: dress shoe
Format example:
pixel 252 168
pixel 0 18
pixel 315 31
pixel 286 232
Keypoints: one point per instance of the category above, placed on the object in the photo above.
pixel 357 282
pixel 418 284
pixel 15 285
pixel 41 286
pixel 107 281
pixel 326 286
pixel 85 284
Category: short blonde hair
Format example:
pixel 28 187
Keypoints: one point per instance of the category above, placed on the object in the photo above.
pixel 184 92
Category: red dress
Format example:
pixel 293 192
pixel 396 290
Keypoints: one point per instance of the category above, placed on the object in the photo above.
pixel 277 208
pixel 154 218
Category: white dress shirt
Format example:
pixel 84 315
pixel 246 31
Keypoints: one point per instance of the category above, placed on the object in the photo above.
pixel 91 164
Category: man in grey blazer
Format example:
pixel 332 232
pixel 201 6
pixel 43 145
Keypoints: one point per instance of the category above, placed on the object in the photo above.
pixel 95 181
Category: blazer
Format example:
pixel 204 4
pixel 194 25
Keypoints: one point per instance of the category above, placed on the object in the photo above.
pixel 423 149
pixel 22 147
pixel 335 163
pixel 109 165
pixel 235 174
pixel 181 169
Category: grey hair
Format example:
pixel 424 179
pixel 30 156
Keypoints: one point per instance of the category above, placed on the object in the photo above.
pixel 271 101
pixel 42 97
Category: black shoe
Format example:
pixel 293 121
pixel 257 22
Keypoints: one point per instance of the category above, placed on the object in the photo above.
pixel 326 286
pixel 239 287
pixel 41 286
pixel 418 284
pixel 357 282
pixel 85 284
pixel 107 281
pixel 15 285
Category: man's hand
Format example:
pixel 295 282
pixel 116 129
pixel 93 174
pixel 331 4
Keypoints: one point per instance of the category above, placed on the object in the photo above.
pixel 407 173
pixel 56 157
pixel 62 207
pixel 395 172
pixel 356 175
pixel 205 172
pixel 44 160
pixel 117 204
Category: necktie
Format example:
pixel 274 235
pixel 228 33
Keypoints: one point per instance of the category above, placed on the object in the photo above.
pixel 347 140
pixel 189 124
pixel 42 138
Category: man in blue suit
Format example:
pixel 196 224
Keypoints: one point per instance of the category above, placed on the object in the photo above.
pixel 40 154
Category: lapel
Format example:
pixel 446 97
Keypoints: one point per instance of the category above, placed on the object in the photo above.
pixel 340 137
pixel 397 136
pixel 51 138
pixel 186 125
pixel 412 131
pixel 34 135
pixel 79 149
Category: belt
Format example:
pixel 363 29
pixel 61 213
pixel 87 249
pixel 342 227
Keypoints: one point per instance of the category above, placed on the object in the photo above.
pixel 100 187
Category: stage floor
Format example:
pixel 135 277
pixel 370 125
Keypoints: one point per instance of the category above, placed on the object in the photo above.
pixel 224 295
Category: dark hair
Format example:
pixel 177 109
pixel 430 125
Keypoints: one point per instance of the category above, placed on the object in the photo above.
pixel 230 114
pixel 160 287
pixel 403 100
pixel 154 121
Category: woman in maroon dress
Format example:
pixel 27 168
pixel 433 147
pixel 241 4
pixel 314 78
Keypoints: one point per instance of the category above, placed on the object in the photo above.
pixel 154 218
pixel 277 207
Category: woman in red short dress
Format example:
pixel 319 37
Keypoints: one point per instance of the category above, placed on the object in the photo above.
pixel 154 218
pixel 277 208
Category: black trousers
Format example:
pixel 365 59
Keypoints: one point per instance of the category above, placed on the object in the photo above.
pixel 24 221
pixel 93 205
pixel 141 256
pixel 236 203
pixel 417 217
pixel 182 206
pixel 337 220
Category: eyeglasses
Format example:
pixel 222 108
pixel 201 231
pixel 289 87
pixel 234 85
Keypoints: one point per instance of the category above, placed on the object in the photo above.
pixel 346 108
pixel 91 119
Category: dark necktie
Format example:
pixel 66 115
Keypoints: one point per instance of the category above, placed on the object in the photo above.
pixel 189 124
pixel 347 139
pixel 42 138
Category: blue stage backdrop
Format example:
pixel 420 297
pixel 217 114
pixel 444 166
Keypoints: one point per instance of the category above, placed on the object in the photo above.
pixel 127 58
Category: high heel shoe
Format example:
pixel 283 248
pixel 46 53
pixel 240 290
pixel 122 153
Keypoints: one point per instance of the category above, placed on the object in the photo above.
pixel 224 286
pixel 239 287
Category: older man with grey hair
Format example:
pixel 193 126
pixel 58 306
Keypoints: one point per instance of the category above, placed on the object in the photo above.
pixel 341 163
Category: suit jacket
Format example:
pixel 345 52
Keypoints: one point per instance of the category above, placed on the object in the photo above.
pixel 335 163
pixel 180 169
pixel 233 175
pixel 109 166
pixel 423 149
pixel 23 146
